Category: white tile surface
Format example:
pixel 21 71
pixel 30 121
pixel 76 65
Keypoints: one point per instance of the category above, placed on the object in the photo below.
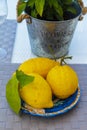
pixel 22 50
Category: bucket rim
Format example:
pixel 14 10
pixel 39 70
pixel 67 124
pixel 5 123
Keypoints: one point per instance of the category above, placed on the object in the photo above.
pixel 62 21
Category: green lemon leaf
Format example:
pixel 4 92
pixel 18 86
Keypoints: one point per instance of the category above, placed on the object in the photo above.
pixel 12 94
pixel 23 78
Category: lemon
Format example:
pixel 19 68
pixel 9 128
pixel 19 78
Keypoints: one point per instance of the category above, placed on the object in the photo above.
pixel 38 93
pixel 40 65
pixel 63 81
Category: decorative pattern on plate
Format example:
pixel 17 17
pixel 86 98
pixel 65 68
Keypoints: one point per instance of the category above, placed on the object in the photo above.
pixel 60 106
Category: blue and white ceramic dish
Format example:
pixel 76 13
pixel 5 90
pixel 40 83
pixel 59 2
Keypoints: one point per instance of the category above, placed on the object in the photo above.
pixel 60 106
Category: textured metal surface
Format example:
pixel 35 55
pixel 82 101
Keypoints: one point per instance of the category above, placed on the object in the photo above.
pixel 7 38
pixel 48 38
pixel 76 119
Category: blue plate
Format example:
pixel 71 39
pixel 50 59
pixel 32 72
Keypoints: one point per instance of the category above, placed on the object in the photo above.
pixel 60 106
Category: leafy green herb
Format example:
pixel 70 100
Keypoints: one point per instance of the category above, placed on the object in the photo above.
pixel 40 6
pixel 12 94
pixel 67 2
pixel 54 10
pixel 31 2
pixel 23 78
pixel 71 9
pixel 50 3
pixel 21 7
pixel 58 8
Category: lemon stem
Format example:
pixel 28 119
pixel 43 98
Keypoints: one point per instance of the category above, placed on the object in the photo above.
pixel 52 52
pixel 62 60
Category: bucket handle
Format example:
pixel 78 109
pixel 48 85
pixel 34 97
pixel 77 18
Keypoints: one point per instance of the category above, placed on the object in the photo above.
pixel 84 9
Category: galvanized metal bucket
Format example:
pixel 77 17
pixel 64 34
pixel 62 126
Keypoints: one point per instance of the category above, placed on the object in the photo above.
pixel 51 38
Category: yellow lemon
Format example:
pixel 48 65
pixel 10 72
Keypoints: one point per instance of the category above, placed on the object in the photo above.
pixel 38 65
pixel 63 81
pixel 38 93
